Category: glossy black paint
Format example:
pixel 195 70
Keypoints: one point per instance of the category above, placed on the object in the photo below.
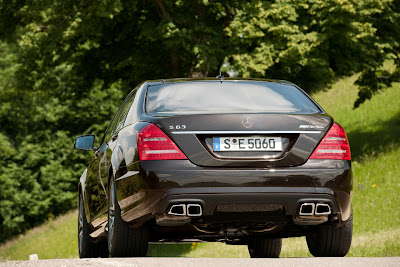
pixel 191 144
pixel 145 189
pixel 330 177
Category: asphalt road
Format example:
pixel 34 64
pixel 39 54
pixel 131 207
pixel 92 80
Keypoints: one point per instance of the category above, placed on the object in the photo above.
pixel 209 262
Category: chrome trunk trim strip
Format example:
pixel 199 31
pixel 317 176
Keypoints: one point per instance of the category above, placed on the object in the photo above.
pixel 244 132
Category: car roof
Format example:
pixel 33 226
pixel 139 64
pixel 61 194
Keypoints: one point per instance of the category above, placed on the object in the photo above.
pixel 210 79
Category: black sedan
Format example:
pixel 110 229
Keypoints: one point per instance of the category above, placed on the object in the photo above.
pixel 219 160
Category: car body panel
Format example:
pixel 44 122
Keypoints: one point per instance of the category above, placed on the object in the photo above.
pixel 145 189
pixel 157 178
pixel 191 140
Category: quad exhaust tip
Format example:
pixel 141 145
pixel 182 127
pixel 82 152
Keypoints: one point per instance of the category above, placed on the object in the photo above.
pixel 319 209
pixel 322 209
pixel 194 210
pixel 307 209
pixel 178 209
pixel 191 210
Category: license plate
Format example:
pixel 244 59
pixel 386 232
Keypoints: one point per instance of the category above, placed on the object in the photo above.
pixel 247 144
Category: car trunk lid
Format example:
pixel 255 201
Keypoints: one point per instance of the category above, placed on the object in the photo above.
pixel 195 136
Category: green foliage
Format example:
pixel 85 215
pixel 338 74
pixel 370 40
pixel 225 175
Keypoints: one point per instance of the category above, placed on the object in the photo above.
pixel 39 169
pixel 308 42
pixel 374 78
pixel 66 65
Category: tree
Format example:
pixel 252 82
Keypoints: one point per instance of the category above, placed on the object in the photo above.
pixel 309 42
pixel 373 77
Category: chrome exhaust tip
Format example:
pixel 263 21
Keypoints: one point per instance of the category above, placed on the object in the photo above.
pixel 322 209
pixel 307 209
pixel 178 209
pixel 194 210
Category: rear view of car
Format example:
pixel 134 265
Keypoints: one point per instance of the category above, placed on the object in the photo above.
pixel 235 161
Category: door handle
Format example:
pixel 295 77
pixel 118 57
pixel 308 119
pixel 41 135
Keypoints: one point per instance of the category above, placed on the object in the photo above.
pixel 114 137
pixel 97 153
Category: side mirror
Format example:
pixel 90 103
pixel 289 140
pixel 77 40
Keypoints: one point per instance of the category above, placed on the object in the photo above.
pixel 84 142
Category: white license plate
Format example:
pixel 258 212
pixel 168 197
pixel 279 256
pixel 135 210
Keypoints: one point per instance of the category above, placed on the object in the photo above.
pixel 247 144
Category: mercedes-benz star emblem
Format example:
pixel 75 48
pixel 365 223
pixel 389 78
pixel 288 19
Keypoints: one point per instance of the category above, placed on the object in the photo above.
pixel 247 123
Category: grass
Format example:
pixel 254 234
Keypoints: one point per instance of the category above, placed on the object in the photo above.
pixel 54 239
pixel 374 133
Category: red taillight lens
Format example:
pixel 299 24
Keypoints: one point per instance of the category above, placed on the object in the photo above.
pixel 334 145
pixel 154 144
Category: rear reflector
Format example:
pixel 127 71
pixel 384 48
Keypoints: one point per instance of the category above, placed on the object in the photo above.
pixel 334 145
pixel 154 144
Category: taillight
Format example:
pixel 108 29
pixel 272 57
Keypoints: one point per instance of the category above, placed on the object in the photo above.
pixel 154 144
pixel 334 145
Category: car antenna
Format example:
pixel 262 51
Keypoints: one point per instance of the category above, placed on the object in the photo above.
pixel 220 77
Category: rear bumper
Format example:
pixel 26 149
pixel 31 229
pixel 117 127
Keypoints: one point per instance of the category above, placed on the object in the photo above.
pixel 210 197
pixel 155 185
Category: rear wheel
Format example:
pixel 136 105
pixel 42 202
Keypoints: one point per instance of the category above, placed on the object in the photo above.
pixel 265 247
pixel 87 248
pixel 331 241
pixel 124 241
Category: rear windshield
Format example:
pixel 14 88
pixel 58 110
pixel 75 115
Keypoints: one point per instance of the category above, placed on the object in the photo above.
pixel 212 97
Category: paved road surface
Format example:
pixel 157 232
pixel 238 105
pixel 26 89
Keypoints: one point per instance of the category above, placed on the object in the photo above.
pixel 209 262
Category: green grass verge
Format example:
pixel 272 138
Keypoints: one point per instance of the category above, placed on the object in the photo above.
pixel 54 239
pixel 374 133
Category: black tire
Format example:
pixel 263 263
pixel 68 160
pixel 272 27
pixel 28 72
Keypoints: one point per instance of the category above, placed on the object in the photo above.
pixel 87 248
pixel 124 241
pixel 331 241
pixel 265 247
